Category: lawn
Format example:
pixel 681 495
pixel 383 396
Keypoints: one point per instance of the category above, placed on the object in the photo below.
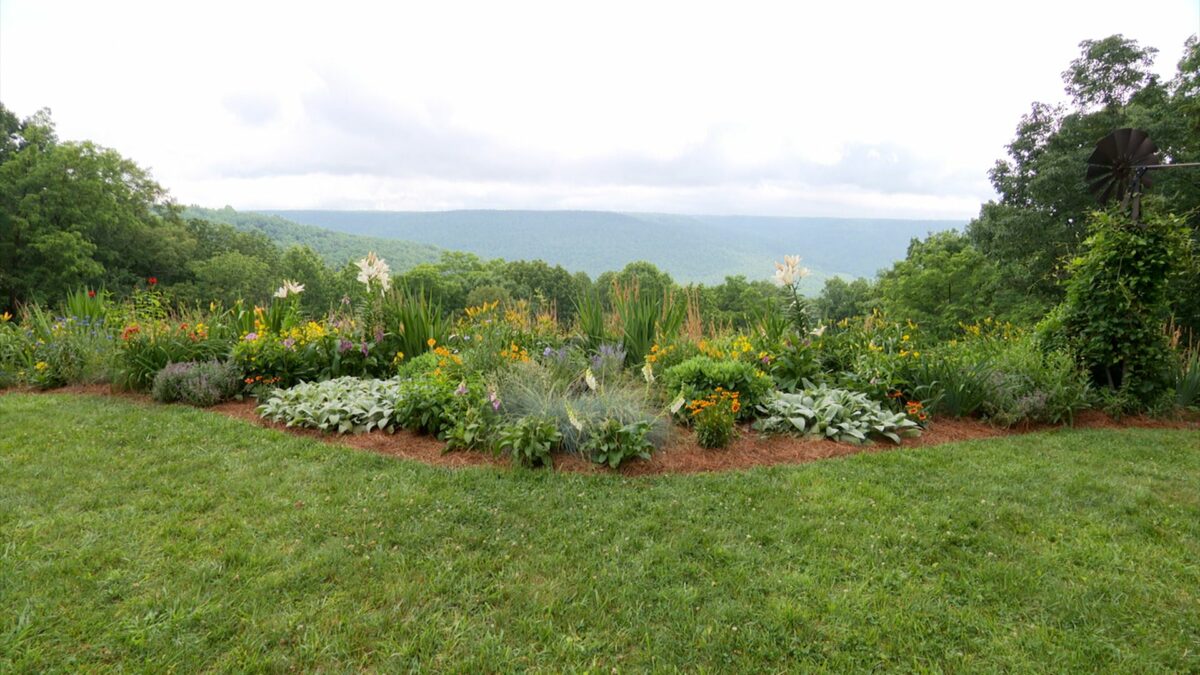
pixel 153 538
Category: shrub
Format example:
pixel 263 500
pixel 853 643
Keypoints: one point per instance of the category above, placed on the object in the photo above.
pixel 67 349
pixel 1117 300
pixel 1027 384
pixel 701 375
pixel 342 405
pixel 200 384
pixel 713 417
pixel 529 440
pixel 836 414
pixel 1008 379
pixel 16 346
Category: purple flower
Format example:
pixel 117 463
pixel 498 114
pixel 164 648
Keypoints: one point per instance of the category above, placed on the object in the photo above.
pixel 547 352
pixel 462 389
pixel 363 348
pixel 379 335
pixel 495 400
pixel 289 343
pixel 344 345
pixel 251 337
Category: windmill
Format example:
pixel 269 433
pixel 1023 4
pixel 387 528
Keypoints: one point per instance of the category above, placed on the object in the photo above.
pixel 1120 165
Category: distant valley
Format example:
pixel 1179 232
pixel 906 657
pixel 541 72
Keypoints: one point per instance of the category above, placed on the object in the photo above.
pixel 702 249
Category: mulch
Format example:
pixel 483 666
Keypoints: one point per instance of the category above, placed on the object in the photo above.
pixel 681 455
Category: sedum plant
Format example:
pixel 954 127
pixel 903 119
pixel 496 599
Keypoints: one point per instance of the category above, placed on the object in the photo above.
pixel 837 414
pixel 342 405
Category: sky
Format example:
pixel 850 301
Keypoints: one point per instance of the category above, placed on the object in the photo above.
pixel 854 109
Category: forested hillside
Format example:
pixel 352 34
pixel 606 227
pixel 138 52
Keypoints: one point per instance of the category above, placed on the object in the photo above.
pixel 702 249
pixel 335 248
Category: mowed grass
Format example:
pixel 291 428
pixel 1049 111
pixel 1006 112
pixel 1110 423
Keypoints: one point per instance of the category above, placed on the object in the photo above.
pixel 153 538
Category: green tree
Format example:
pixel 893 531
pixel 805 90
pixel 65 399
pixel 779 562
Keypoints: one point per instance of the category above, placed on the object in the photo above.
pixel 1039 221
pixel 943 281
pixel 231 276
pixel 78 214
pixel 302 265
pixel 841 299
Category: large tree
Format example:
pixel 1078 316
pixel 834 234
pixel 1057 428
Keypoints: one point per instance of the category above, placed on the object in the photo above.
pixel 76 214
pixel 1038 222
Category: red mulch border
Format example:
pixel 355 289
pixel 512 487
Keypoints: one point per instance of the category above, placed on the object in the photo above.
pixel 681 455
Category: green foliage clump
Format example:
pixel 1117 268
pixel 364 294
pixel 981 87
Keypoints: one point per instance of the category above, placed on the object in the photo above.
pixel 700 375
pixel 428 404
pixel 1117 303
pixel 837 414
pixel 530 441
pixel 200 384
pixel 612 443
pixel 1187 379
pixel 414 320
pixel 646 318
pixel 1000 373
pixel 342 405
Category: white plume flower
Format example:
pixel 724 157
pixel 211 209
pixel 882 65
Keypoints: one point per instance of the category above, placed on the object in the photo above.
pixel 648 373
pixel 289 287
pixel 677 404
pixel 590 378
pixel 374 268
pixel 789 271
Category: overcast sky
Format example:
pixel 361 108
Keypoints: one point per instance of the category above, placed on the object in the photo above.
pixel 848 109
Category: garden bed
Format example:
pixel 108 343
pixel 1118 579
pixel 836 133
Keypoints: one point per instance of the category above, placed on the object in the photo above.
pixel 681 455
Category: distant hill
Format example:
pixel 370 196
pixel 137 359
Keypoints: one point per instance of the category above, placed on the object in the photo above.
pixel 336 248
pixel 691 248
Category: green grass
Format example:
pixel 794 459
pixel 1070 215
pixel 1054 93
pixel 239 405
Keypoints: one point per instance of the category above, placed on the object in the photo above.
pixel 152 538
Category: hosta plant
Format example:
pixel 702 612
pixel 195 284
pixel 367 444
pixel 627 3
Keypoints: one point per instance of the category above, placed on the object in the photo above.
pixel 836 414
pixel 342 405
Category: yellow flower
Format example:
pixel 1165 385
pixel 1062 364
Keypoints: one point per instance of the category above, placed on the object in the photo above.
pixel 41 365
pixel 431 342
pixel 5 317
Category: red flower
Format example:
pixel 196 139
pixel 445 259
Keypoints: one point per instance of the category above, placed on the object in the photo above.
pixel 152 280
pixel 91 294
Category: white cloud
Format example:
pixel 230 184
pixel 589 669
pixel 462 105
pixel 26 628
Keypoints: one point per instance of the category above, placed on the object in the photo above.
pixel 877 108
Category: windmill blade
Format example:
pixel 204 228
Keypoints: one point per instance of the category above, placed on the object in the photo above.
pixel 1113 165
